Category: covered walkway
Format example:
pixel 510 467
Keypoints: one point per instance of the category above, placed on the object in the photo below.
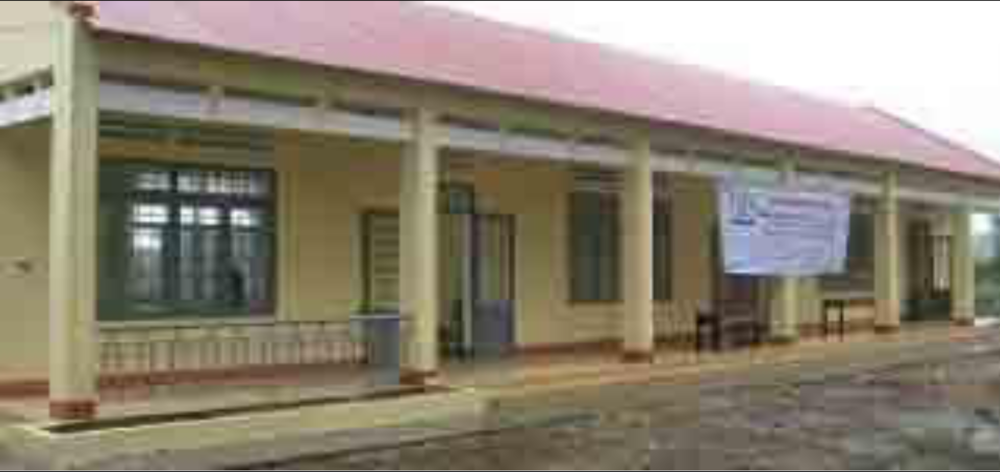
pixel 518 379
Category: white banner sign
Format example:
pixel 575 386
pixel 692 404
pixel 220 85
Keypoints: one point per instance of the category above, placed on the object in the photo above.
pixel 783 231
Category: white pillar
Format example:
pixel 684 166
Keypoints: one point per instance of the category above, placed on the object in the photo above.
pixel 785 306
pixel 639 340
pixel 419 249
pixel 73 227
pixel 963 269
pixel 887 260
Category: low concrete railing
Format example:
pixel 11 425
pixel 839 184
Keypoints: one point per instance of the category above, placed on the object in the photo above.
pixel 172 354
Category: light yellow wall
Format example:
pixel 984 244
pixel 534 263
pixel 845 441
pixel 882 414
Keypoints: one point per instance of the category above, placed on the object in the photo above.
pixel 328 186
pixel 28 40
pixel 329 183
pixel 543 214
pixel 24 199
pixel 694 209
pixel 325 185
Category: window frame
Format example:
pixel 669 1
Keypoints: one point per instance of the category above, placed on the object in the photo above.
pixel 663 227
pixel 586 266
pixel 663 278
pixel 850 281
pixel 124 309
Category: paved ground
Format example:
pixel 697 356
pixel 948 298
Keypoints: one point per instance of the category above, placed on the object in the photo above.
pixel 903 403
pixel 941 411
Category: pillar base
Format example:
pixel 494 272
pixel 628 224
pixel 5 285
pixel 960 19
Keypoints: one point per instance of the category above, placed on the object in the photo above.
pixel 888 330
pixel 73 410
pixel 414 378
pixel 638 357
pixel 965 322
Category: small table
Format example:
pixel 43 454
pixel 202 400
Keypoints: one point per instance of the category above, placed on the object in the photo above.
pixel 835 307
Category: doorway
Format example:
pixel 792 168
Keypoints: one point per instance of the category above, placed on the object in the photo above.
pixel 929 289
pixel 478 294
pixel 476 275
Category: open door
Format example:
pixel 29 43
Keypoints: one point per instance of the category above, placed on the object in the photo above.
pixel 493 332
pixel 477 285
pixel 929 291
pixel 477 275
pixel 455 284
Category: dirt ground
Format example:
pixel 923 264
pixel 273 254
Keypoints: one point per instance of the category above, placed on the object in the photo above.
pixel 929 415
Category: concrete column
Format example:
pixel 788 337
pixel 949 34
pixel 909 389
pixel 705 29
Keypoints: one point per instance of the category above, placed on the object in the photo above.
pixel 73 333
pixel 419 250
pixel 639 333
pixel 785 305
pixel 887 260
pixel 963 269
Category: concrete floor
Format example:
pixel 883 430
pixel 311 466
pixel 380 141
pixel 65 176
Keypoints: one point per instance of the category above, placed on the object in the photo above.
pixel 519 377
pixel 925 406
pixel 528 391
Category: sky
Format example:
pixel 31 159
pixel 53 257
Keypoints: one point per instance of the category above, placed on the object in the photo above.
pixel 936 63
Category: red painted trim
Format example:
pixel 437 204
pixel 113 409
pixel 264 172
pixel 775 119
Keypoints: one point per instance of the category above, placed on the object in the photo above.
pixel 637 358
pixel 965 322
pixel 680 342
pixel 416 378
pixel 35 388
pixel 73 410
pixel 38 388
pixel 23 389
pixel 275 372
pixel 888 330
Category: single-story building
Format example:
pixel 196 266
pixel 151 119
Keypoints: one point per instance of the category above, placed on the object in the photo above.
pixel 174 171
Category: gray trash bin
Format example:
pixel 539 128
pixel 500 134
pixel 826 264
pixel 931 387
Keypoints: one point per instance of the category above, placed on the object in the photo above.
pixel 382 337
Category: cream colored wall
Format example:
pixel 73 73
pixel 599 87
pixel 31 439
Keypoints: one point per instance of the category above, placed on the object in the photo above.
pixel 326 184
pixel 329 183
pixel 541 217
pixel 327 187
pixel 322 216
pixel 693 203
pixel 536 194
pixel 28 40
pixel 24 198
pixel 565 323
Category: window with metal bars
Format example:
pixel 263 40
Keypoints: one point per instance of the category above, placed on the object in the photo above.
pixel 595 248
pixel 859 275
pixel 185 241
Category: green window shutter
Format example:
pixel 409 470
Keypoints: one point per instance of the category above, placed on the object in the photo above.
pixel 860 263
pixel 662 252
pixel 595 239
pixel 186 241
pixel 595 247
pixel 382 261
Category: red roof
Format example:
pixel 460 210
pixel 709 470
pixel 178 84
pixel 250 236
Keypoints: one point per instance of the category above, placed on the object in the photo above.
pixel 439 45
